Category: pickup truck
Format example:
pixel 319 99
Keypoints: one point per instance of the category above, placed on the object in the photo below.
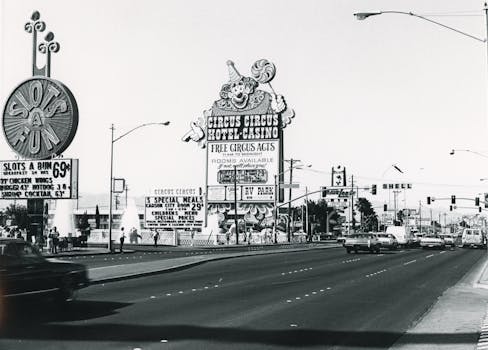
pixel 362 241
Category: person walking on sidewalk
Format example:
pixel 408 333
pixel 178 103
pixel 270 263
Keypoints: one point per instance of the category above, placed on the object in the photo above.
pixel 156 237
pixel 122 239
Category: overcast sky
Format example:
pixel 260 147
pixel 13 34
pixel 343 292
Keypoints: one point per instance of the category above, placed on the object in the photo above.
pixel 392 89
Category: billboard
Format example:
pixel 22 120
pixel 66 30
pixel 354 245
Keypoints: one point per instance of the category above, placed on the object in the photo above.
pixel 39 179
pixel 256 164
pixel 175 208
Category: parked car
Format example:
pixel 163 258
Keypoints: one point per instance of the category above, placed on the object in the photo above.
pixel 25 272
pixel 472 237
pixel 432 241
pixel 341 239
pixel 387 240
pixel 362 241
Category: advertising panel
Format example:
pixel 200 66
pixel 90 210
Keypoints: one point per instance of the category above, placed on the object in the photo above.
pixel 175 208
pixel 256 162
pixel 39 179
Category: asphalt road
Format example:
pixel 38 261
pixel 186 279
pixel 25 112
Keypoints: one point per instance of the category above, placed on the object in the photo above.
pixel 321 299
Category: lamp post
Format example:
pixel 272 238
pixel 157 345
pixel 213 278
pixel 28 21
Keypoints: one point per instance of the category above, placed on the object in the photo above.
pixel 363 15
pixel 453 151
pixel 112 171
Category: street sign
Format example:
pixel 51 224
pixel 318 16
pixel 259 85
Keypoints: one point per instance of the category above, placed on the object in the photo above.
pixel 289 185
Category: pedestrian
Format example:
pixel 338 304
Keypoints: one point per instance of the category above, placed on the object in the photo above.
pixel 55 240
pixel 156 237
pixel 50 239
pixel 122 239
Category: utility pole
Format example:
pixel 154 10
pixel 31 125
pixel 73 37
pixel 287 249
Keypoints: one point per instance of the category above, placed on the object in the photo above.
pixel 235 205
pixel 352 203
pixel 306 215
pixel 395 194
pixel 291 161
pixel 420 217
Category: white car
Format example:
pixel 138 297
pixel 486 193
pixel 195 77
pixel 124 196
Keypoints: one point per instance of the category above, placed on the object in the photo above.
pixel 432 241
pixel 387 240
pixel 449 240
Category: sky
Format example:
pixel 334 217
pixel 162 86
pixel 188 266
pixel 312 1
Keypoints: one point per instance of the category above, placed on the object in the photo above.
pixel 392 89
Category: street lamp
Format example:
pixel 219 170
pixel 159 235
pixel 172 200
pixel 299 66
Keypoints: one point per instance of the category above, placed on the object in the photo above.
pixel 363 15
pixel 467 150
pixel 166 123
pixel 299 166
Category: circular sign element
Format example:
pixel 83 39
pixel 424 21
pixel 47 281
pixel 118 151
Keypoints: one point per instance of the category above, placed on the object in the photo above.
pixel 40 118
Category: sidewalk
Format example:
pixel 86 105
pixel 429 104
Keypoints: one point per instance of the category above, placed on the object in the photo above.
pixel 455 320
pixel 113 273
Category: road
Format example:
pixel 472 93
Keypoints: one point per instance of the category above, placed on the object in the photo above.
pixel 320 299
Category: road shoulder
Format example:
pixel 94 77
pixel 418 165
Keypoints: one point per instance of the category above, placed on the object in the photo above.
pixel 454 321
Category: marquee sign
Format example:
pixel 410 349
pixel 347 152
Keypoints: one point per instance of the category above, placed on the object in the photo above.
pixel 242 132
pixel 40 118
pixel 34 179
pixel 175 208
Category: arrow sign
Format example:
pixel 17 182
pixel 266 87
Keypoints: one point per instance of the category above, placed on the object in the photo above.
pixel 290 185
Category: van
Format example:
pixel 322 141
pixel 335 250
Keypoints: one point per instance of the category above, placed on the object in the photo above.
pixel 403 235
pixel 473 237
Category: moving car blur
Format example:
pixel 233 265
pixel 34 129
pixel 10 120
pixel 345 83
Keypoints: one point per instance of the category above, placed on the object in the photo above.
pixel 24 272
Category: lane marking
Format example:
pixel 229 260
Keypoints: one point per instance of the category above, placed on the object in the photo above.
pixel 410 262
pixel 429 256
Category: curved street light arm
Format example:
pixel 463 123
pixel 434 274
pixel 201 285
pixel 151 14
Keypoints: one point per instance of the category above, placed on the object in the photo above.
pixel 137 127
pixel 468 150
pixel 364 15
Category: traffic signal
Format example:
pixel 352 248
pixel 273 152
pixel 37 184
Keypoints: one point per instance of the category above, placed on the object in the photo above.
pixel 373 189
pixel 428 200
pixel 479 209
pixel 385 207
pixel 450 208
pixel 486 200
pixel 453 199
pixel 477 201
pixel 324 192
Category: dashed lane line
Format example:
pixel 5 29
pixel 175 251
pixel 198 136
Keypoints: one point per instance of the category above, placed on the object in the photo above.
pixel 410 262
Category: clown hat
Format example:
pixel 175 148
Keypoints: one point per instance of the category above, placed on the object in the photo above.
pixel 233 73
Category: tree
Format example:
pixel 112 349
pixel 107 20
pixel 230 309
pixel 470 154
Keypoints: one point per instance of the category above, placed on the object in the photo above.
pixel 84 224
pixel 320 215
pixel 18 214
pixel 369 219
pixel 97 218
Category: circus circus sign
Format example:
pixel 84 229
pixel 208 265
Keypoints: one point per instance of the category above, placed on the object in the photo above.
pixel 242 133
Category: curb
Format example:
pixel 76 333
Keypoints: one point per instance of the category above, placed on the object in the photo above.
pixel 187 265
pixel 86 254
pixel 477 283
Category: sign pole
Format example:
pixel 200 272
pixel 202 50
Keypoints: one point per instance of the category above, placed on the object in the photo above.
pixel 110 248
pixel 235 205
pixel 275 212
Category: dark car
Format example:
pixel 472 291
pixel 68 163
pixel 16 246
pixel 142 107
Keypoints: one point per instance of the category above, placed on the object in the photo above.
pixel 25 272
